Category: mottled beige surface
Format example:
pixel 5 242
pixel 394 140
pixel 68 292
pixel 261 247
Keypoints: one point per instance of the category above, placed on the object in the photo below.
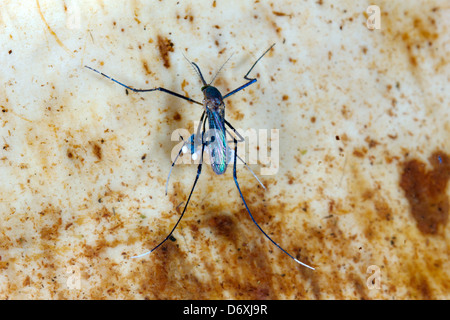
pixel 364 128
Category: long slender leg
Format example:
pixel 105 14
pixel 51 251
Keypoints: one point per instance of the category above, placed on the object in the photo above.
pixel 242 140
pixel 173 163
pixel 250 80
pixel 249 169
pixel 199 170
pixel 251 216
pixel 145 90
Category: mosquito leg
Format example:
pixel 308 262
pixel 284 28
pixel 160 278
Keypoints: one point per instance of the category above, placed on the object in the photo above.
pixel 145 90
pixel 173 163
pixel 250 80
pixel 242 140
pixel 256 177
pixel 199 170
pixel 251 216
pixel 192 141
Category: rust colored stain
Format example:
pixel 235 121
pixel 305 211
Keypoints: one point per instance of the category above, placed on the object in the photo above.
pixel 422 32
pixel 233 252
pixel 183 86
pixel 51 31
pixel 360 152
pixel 165 45
pixel 51 223
pixel 177 116
pixel 281 14
pixel 97 150
pixel 426 191
pixel 146 68
pixel 223 226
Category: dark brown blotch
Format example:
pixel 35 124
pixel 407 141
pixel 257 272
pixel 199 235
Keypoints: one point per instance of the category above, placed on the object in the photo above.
pixel 426 191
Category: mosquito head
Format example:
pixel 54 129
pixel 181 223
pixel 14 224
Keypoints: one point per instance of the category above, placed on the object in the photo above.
pixel 212 98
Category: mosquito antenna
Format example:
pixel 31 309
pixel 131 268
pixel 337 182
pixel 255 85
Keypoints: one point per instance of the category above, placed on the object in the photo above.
pixel 220 69
pixel 200 74
pixel 196 69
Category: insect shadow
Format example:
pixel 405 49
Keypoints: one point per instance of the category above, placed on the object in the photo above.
pixel 213 139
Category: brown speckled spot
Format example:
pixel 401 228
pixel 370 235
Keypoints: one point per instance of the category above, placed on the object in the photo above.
pixel 360 152
pixel 146 68
pixel 224 226
pixel 165 46
pixel 426 191
pixel 177 116
pixel 97 150
pixel 51 222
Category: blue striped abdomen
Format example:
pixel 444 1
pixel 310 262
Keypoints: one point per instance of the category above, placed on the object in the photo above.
pixel 216 141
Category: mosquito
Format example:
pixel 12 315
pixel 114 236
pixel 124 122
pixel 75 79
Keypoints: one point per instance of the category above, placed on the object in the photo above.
pixel 214 140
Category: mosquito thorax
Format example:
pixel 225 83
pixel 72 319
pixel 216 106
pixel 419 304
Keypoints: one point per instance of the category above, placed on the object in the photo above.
pixel 212 98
